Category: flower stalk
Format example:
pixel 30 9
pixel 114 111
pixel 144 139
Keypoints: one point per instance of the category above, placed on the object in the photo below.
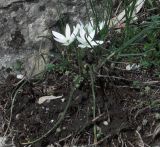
pixel 94 102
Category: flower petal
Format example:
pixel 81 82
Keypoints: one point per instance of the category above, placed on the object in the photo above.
pixel 59 40
pixel 101 25
pixel 81 24
pixel 82 32
pixel 75 32
pixel 90 26
pixel 58 35
pixel 68 31
pixel 93 43
pixel 139 5
pixel 99 42
pixel 82 46
pixel 96 43
pixel 91 35
pixel 66 44
pixel 81 40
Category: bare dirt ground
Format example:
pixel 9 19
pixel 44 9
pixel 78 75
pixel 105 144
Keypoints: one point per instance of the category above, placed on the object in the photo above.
pixel 127 112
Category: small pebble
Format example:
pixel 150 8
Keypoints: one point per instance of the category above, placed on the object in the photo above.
pixel 105 123
pixel 64 128
pixel 47 109
pixel 157 116
pixel 52 121
pixel 20 76
pixel 18 116
pixel 132 66
pixel 58 130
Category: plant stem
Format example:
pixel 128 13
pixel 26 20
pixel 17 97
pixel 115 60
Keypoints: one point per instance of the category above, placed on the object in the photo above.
pixel 14 94
pixel 94 103
pixel 79 60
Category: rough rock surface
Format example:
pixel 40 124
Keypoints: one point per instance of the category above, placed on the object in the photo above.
pixel 22 22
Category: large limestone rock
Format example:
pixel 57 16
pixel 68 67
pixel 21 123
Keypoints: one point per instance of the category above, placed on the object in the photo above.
pixel 25 26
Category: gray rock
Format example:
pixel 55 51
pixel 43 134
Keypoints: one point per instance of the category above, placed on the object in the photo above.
pixel 4 3
pixel 25 26
pixel 24 22
pixel 4 142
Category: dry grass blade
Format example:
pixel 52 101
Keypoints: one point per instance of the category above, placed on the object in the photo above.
pixel 139 141
pixel 121 17
pixel 156 131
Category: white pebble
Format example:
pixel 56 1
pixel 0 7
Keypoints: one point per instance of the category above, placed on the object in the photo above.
pixel 52 121
pixel 132 66
pixel 105 123
pixel 20 76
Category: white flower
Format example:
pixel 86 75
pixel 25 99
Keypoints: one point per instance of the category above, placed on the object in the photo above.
pixel 68 38
pixel 132 66
pixel 86 37
pixel 90 26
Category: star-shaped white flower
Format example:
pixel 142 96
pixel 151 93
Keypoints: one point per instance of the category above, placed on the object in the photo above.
pixel 68 38
pixel 86 37
pixel 89 26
